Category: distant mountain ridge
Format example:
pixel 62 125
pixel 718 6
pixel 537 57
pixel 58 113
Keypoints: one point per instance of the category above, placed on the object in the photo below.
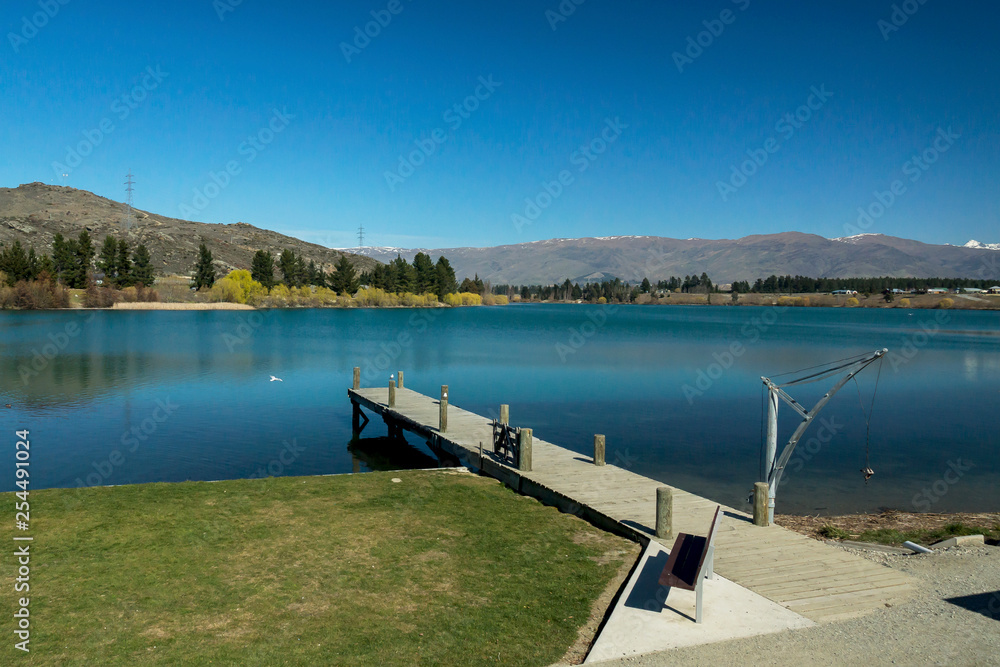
pixel 631 258
pixel 35 212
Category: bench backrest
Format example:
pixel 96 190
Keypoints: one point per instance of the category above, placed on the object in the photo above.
pixel 710 539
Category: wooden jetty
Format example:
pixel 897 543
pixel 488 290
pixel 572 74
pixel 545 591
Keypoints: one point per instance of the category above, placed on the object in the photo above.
pixel 818 581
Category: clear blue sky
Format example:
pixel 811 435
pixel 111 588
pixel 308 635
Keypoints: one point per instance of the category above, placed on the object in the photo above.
pixel 323 173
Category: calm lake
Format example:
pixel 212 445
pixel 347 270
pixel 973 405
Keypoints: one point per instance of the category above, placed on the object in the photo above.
pixel 132 397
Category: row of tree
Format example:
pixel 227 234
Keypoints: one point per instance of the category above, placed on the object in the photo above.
pixel 803 284
pixel 72 262
pixel 422 277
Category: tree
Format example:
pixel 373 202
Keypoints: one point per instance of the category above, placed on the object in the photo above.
pixel 424 274
pixel 204 272
pixel 344 279
pixel 289 266
pixel 645 286
pixel 403 275
pixel 82 256
pixel 124 266
pixel 262 269
pixel 107 260
pixel 445 275
pixel 14 263
pixel 142 272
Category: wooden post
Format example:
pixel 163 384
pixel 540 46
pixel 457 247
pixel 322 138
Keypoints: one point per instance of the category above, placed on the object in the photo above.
pixel 524 440
pixel 443 413
pixel 357 377
pixel 760 496
pixel 598 450
pixel 664 512
pixel 399 383
pixel 355 420
pixel 504 414
pixel 392 393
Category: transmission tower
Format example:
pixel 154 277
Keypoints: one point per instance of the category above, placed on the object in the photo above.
pixel 128 217
pixel 361 236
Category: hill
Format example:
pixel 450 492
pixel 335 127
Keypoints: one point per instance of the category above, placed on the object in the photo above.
pixel 631 258
pixel 36 212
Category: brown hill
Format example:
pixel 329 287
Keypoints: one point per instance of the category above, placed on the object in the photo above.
pixel 36 212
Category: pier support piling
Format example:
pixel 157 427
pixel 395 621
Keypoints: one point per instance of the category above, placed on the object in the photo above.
pixel 524 440
pixel 665 513
pixel 399 383
pixel 357 377
pixel 443 412
pixel 760 504
pixel 598 450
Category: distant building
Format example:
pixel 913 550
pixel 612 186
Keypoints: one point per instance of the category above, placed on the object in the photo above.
pixel 842 292
pixel 994 290
pixel 937 290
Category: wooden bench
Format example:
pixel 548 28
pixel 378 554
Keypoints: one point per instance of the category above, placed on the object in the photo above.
pixel 690 563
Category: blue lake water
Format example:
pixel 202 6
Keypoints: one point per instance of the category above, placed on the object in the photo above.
pixel 132 397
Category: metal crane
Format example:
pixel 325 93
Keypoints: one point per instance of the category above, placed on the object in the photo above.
pixel 774 468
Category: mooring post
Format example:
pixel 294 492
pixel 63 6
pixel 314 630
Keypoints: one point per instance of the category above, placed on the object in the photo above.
pixel 598 450
pixel 664 512
pixel 399 383
pixel 357 377
pixel 504 413
pixel 760 499
pixel 524 440
pixel 443 412
pixel 355 420
pixel 392 393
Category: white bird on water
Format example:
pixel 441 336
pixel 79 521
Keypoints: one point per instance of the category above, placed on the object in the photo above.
pixel 274 379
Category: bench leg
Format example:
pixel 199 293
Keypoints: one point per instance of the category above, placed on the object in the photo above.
pixel 710 560
pixel 697 604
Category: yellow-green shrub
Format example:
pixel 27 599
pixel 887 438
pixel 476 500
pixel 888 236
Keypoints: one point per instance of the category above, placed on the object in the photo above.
pixel 904 303
pixel 237 287
pixel 946 303
pixel 501 300
pixel 852 302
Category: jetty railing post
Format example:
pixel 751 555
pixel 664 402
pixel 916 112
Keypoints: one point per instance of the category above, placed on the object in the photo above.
pixel 357 377
pixel 355 420
pixel 760 504
pixel 399 374
pixel 598 450
pixel 392 393
pixel 664 512
pixel 504 413
pixel 524 441
pixel 443 412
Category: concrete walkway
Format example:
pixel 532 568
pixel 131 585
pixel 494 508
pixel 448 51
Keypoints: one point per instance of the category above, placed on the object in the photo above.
pixel 649 617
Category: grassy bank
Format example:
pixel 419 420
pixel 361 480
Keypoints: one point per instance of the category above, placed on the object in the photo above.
pixel 440 568
pixel 893 527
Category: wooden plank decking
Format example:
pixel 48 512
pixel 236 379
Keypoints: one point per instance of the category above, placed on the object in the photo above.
pixel 817 581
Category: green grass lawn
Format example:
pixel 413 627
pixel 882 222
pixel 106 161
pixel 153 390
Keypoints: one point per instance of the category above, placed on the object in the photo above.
pixel 438 569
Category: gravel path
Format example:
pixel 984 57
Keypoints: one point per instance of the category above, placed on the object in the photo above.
pixel 925 630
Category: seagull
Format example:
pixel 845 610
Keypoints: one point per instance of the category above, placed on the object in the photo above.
pixel 274 379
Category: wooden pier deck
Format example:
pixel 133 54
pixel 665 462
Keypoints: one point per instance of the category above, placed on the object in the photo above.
pixel 818 581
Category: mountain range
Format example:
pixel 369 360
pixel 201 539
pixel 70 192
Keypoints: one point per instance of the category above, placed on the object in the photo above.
pixel 35 212
pixel 632 258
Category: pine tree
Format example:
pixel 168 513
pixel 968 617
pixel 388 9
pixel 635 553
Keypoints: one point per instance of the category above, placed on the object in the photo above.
pixel 446 283
pixel 123 268
pixel 289 266
pixel 424 275
pixel 344 280
pixel 204 271
pixel 403 273
pixel 142 272
pixel 262 268
pixel 83 256
pixel 107 260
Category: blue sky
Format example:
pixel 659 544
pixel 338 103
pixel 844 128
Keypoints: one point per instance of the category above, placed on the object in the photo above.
pixel 589 123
